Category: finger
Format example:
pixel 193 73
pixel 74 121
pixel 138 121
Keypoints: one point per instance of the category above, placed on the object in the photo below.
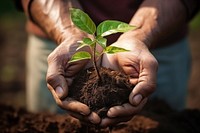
pixel 55 96
pixel 107 122
pixel 109 61
pixel 146 82
pixel 55 78
pixel 125 110
pixel 134 81
pixel 74 67
pixel 92 118
pixel 75 106
pixel 70 105
pixel 141 91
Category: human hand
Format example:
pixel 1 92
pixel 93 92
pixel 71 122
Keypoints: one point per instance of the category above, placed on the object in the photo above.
pixel 60 75
pixel 141 65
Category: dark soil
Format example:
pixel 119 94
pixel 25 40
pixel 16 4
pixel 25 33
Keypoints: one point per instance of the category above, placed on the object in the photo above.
pixel 153 119
pixel 13 120
pixel 113 89
pixel 157 118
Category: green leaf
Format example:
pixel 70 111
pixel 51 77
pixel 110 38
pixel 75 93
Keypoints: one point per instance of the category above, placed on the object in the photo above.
pixel 82 21
pixel 82 55
pixel 82 44
pixel 88 41
pixel 114 49
pixel 102 41
pixel 85 42
pixel 109 27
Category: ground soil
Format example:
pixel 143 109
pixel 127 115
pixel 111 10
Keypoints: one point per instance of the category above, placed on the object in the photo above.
pixel 100 93
pixel 157 117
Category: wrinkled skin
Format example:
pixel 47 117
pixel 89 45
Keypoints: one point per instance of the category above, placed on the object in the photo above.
pixel 141 65
pixel 60 75
pixel 154 20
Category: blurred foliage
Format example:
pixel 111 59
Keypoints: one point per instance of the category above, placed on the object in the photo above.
pixel 8 73
pixel 195 23
pixel 8 12
pixel 12 46
pixel 7 7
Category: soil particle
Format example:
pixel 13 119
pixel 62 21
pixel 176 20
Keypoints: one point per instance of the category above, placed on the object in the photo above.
pixel 14 120
pixel 18 120
pixel 156 119
pixel 112 89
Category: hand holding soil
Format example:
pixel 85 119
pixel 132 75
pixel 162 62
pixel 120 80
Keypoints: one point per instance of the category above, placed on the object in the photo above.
pixel 99 88
pixel 60 75
pixel 142 68
pixel 102 88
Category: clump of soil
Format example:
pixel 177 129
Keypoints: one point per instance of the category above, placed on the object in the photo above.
pixel 112 89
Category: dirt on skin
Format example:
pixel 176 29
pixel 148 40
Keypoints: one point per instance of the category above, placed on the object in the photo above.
pixel 153 119
pixel 112 89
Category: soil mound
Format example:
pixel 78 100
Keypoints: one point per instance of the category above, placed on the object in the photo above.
pixel 153 119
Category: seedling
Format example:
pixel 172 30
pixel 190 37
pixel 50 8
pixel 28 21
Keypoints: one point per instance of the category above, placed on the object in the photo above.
pixel 106 28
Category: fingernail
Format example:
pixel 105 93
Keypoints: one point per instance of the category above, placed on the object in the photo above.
pixel 137 99
pixel 59 91
pixel 110 113
pixel 93 118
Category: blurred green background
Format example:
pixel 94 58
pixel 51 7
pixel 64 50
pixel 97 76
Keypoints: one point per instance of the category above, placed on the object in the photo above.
pixel 195 24
pixel 12 54
pixel 13 39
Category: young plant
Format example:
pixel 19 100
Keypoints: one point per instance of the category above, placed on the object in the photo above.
pixel 108 27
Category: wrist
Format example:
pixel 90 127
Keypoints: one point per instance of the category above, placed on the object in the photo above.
pixel 133 41
pixel 156 22
pixel 53 17
pixel 137 36
pixel 70 33
pixel 146 19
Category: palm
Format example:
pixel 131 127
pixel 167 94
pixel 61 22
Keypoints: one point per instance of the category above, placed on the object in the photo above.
pixel 140 64
pixel 60 75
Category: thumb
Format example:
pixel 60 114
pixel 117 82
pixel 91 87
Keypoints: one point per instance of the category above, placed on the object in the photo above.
pixel 140 92
pixel 56 80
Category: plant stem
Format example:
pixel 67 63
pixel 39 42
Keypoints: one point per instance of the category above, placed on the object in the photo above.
pixel 95 64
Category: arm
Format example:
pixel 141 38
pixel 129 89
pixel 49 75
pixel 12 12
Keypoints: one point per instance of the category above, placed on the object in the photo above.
pixel 53 17
pixel 155 19
pixel 158 19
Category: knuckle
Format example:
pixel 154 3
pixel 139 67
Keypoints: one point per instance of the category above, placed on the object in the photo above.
pixel 50 57
pixel 51 79
pixel 153 62
pixel 57 55
pixel 150 88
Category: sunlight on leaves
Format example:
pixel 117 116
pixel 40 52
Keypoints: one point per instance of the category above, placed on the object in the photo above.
pixel 82 55
pixel 82 21
pixel 109 27
pixel 114 49
pixel 102 41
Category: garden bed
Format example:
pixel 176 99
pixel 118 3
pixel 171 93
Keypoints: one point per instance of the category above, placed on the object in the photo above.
pixel 158 118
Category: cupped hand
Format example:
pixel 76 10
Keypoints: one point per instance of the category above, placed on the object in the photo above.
pixel 141 65
pixel 60 75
